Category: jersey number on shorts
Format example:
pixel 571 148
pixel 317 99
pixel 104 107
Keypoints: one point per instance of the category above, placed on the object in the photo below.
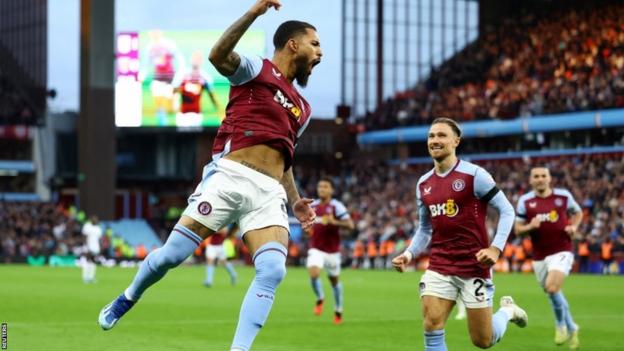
pixel 478 293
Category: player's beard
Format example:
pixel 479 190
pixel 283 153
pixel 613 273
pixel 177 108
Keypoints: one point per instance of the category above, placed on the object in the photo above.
pixel 302 73
pixel 440 157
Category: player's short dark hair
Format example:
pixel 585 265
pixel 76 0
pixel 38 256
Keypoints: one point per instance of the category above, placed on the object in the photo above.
pixel 451 123
pixel 289 30
pixel 327 179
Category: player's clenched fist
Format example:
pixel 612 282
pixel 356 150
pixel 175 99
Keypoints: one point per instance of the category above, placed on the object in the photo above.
pixel 262 6
pixel 488 256
pixel 401 261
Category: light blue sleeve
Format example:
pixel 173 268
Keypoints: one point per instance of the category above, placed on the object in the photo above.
pixel 341 210
pixel 485 188
pixel 505 219
pixel 422 237
pixel 248 69
pixel 521 210
pixel 483 183
pixel 573 206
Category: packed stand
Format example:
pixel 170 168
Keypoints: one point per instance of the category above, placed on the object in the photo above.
pixel 40 230
pixel 381 202
pixel 571 60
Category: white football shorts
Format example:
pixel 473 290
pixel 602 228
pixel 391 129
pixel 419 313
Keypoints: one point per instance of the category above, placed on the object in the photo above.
pixel 230 192
pixel 560 261
pixel 215 252
pixel 474 292
pixel 322 259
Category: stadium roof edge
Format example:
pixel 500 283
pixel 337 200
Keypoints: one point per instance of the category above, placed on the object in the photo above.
pixel 517 155
pixel 484 129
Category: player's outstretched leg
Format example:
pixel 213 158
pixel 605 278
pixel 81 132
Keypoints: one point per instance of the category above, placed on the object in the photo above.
pixel 209 274
pixel 230 269
pixel 558 305
pixel 270 263
pixel 180 245
pixel 317 287
pixel 566 329
pixel 508 312
pixel 338 294
pixel 314 269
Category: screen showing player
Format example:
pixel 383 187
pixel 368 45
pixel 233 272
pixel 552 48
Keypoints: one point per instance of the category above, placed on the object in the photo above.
pixel 164 78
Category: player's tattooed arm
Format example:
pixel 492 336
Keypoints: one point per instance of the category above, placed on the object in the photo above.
pixel 301 207
pixel 222 55
pixel 288 182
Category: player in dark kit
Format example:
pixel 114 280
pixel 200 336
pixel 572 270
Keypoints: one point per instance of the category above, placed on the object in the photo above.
pixel 324 252
pixel 452 202
pixel 250 179
pixel 543 214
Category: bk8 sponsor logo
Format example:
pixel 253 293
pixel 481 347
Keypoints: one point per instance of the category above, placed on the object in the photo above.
pixel 551 216
pixel 448 208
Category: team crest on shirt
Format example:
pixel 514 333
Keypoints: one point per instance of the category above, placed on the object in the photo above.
pixel 459 185
pixel 204 208
pixel 558 202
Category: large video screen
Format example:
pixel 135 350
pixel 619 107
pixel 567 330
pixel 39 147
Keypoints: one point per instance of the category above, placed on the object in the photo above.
pixel 164 78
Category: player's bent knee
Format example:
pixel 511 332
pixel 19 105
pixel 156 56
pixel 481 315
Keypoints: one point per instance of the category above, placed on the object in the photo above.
pixel 314 272
pixel 482 343
pixel 271 272
pixel 552 289
pixel 433 324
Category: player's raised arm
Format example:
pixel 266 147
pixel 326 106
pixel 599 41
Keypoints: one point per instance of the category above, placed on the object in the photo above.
pixel 222 55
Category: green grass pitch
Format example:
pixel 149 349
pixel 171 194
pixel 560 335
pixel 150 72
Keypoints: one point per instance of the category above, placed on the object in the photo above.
pixel 51 309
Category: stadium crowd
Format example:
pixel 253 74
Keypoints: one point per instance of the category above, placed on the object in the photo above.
pixel 381 201
pixel 570 60
pixel 43 229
